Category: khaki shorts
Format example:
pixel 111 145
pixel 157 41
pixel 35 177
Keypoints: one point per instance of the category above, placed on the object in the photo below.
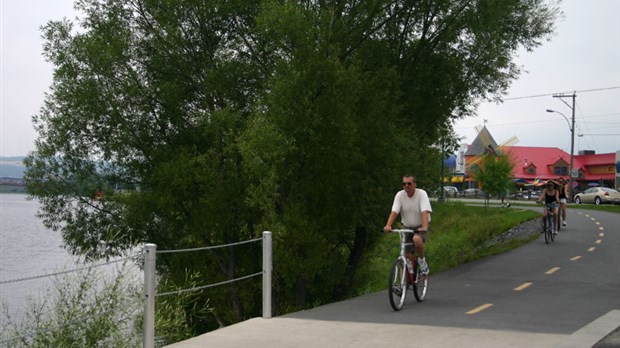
pixel 423 235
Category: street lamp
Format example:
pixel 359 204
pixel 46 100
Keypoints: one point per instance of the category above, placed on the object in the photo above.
pixel 441 197
pixel 571 126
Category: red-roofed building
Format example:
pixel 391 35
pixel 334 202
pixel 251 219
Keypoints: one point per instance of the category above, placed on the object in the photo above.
pixel 537 164
pixel 546 163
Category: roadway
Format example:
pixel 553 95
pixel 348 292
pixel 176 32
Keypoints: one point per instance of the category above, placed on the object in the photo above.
pixel 566 294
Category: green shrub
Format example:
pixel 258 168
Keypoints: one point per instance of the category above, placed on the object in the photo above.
pixel 80 309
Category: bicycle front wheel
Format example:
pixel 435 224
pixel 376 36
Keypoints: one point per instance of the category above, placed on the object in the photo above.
pixel 420 285
pixel 397 287
pixel 553 227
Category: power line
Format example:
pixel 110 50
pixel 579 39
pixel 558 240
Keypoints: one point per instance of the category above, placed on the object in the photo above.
pixel 601 135
pixel 552 94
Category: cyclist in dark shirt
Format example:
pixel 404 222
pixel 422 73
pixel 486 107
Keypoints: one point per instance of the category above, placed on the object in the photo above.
pixel 551 196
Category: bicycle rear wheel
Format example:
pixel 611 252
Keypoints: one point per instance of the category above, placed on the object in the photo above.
pixel 397 287
pixel 420 286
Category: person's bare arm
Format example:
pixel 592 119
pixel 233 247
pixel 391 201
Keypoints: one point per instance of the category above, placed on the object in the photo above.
pixel 425 219
pixel 542 195
pixel 390 222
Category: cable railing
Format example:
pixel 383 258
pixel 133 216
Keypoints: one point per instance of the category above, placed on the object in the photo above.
pixel 148 255
pixel 88 315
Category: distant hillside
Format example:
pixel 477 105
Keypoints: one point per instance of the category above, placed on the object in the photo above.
pixel 12 167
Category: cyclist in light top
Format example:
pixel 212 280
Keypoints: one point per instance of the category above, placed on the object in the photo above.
pixel 563 194
pixel 415 210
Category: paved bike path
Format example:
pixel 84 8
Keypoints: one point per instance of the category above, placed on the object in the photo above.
pixel 569 307
pixel 316 328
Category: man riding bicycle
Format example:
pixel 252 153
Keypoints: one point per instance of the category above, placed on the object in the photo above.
pixel 415 210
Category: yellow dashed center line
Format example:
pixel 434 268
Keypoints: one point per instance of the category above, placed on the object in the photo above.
pixel 550 271
pixel 523 286
pixel 553 270
pixel 480 308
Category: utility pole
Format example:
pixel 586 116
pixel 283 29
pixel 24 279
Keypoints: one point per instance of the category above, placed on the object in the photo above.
pixel 441 189
pixel 572 139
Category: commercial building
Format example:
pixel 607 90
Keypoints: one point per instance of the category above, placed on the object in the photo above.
pixel 534 165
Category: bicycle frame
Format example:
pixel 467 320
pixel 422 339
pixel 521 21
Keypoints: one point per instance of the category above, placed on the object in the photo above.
pixel 403 233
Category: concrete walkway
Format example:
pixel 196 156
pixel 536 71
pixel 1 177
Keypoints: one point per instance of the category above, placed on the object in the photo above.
pixel 288 331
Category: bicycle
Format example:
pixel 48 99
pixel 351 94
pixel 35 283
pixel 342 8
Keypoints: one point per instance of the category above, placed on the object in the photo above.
pixel 548 224
pixel 403 274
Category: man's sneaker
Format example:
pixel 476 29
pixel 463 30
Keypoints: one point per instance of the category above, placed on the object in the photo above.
pixel 563 223
pixel 424 267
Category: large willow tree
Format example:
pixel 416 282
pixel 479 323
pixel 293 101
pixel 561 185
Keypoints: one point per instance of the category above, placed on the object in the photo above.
pixel 207 122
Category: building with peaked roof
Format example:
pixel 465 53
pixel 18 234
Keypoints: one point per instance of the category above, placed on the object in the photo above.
pixel 533 165
pixel 484 140
pixel 545 163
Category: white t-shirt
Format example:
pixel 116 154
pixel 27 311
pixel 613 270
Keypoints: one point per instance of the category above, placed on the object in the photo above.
pixel 411 208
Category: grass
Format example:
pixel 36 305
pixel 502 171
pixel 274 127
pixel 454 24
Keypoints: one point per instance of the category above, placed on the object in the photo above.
pixel 93 308
pixel 459 234
pixel 83 309
pixel 611 208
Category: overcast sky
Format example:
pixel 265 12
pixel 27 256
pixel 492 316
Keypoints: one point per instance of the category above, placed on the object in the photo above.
pixel 583 57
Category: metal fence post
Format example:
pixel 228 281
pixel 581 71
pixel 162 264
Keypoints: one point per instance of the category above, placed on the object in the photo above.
pixel 148 339
pixel 267 268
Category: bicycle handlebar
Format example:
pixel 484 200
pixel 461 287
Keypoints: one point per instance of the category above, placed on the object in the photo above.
pixel 406 230
pixel 545 203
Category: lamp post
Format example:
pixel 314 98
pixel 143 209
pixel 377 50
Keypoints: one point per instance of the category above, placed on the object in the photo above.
pixel 571 126
pixel 441 189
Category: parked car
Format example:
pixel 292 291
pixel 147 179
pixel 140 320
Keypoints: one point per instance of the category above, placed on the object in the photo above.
pixel 534 195
pixel 598 195
pixel 451 191
pixel 527 195
pixel 473 192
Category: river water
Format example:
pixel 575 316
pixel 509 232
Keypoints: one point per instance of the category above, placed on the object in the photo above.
pixel 27 249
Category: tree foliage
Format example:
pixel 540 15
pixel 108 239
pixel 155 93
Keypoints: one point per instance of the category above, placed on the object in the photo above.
pixel 495 174
pixel 207 122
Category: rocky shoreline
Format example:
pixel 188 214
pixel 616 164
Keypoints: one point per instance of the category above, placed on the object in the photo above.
pixel 522 231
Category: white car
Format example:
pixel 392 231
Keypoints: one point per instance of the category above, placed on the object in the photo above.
pixel 451 191
pixel 598 195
